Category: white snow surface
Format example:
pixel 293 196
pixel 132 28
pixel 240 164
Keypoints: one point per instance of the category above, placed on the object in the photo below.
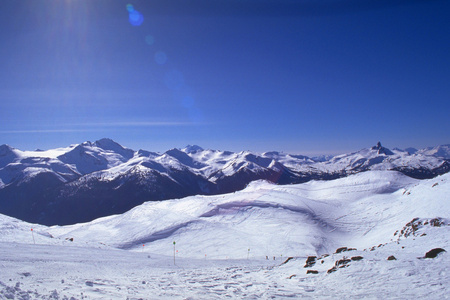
pixel 51 153
pixel 233 246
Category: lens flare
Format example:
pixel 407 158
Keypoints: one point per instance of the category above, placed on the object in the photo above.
pixel 160 58
pixel 134 17
pixel 149 40
pixel 130 7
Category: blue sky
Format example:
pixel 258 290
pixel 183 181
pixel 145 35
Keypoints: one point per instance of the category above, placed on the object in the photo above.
pixel 308 77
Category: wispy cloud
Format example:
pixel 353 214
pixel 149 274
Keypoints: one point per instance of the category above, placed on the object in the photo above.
pixel 46 131
pixel 91 127
pixel 137 124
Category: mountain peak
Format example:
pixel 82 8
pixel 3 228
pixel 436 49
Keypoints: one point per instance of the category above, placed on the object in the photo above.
pixel 7 155
pixel 382 150
pixel 109 144
pixel 192 149
pixel 438 151
pixel 5 150
pixel 378 146
pixel 106 143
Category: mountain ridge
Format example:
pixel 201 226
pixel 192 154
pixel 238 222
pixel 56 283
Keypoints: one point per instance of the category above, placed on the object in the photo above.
pixel 95 179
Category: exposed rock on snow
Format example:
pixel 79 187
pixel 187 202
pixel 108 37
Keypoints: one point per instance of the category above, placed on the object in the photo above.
pixel 434 252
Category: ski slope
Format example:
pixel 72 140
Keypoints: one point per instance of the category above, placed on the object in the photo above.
pixel 234 245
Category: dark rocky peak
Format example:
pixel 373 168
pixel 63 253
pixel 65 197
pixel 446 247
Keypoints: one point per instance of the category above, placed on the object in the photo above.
pixel 377 147
pixel 382 150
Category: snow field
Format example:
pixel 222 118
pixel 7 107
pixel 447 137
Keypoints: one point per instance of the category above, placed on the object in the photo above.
pixel 367 211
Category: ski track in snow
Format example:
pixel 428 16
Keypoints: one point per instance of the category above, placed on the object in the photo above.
pixel 223 241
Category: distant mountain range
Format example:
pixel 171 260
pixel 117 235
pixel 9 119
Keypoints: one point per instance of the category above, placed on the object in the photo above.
pixel 90 180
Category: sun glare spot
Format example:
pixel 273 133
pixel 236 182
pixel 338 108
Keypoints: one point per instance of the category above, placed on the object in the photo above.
pixel 130 8
pixel 150 40
pixel 134 17
pixel 160 58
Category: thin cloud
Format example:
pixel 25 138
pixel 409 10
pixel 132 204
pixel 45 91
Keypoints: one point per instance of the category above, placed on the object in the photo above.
pixel 138 124
pixel 103 124
pixel 45 131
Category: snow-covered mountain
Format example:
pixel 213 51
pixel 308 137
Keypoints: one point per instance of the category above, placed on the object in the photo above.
pixel 438 151
pixel 375 234
pixel 90 180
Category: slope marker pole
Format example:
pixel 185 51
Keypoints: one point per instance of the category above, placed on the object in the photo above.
pixel 174 253
pixel 32 233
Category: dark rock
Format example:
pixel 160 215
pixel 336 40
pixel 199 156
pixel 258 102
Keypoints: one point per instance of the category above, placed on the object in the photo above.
pixel 342 262
pixel 343 249
pixel 436 222
pixel 288 259
pixel 392 257
pixel 312 272
pixel 412 228
pixel 310 261
pixel 339 250
pixel 89 283
pixel 357 258
pixel 382 150
pixel 333 269
pixel 290 277
pixel 434 252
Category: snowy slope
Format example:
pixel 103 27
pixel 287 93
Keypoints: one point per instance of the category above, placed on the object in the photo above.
pixel 311 218
pixel 222 243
